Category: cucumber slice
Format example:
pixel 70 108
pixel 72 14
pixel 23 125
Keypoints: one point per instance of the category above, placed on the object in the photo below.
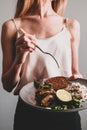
pixel 63 95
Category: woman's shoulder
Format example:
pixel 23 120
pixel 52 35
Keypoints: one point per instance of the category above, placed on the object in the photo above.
pixel 10 24
pixel 7 25
pixel 9 28
pixel 70 23
pixel 73 26
pixel 73 23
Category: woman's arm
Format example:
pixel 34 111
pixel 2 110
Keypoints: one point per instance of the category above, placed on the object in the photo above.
pixel 14 54
pixel 74 28
pixel 10 69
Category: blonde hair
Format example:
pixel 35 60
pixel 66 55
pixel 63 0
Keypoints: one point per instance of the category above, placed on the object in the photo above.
pixel 28 6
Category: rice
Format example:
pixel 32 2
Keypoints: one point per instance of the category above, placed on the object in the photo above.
pixel 83 89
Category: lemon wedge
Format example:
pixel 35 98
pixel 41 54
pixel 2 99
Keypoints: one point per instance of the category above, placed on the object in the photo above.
pixel 63 95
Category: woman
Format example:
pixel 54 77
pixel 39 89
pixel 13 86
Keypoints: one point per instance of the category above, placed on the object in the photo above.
pixel 44 24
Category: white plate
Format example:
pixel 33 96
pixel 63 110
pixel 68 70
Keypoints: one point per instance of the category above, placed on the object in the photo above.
pixel 27 94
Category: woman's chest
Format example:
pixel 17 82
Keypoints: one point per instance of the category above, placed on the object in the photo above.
pixel 43 28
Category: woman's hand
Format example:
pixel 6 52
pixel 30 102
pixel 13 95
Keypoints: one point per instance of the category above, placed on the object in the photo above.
pixel 24 45
pixel 75 76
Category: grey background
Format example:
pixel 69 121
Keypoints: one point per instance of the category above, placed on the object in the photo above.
pixel 76 9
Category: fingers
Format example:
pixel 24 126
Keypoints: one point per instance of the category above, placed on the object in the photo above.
pixel 27 41
pixel 23 48
pixel 75 76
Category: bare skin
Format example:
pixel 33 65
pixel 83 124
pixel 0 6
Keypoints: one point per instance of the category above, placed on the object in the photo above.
pixel 40 23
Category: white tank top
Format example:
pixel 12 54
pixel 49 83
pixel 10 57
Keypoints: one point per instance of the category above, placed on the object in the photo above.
pixel 39 66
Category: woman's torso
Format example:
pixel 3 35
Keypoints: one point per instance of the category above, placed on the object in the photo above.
pixel 38 65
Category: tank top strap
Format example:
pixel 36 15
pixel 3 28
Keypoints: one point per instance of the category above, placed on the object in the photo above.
pixel 15 24
pixel 17 29
pixel 66 22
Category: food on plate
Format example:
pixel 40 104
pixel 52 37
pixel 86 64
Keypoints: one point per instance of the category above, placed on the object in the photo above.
pixel 59 93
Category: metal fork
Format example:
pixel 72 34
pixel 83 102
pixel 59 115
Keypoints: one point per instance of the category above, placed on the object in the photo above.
pixel 21 31
pixel 49 55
